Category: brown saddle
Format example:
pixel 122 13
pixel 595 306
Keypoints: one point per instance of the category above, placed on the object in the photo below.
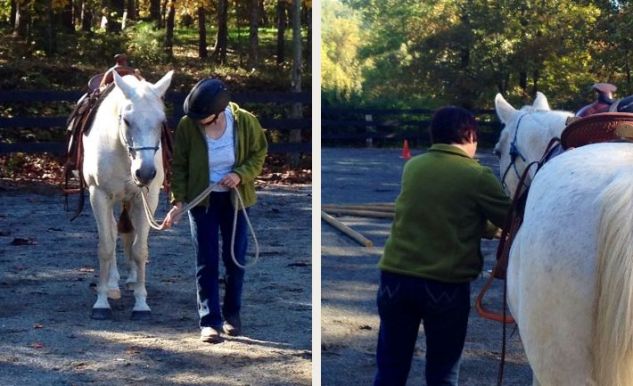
pixel 601 127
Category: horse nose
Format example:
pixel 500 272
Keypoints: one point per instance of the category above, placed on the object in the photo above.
pixel 145 175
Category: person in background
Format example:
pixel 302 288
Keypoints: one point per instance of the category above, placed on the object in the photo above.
pixel 433 251
pixel 218 143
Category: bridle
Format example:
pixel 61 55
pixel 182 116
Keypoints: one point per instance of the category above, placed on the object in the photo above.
pixel 132 149
pixel 514 153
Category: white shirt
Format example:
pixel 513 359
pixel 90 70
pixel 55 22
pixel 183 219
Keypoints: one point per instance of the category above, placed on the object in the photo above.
pixel 222 152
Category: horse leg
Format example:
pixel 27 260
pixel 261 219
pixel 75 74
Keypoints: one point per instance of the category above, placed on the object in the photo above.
pixel 102 209
pixel 114 292
pixel 139 253
pixel 128 239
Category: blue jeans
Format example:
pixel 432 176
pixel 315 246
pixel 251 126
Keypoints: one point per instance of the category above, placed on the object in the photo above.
pixel 206 225
pixel 443 308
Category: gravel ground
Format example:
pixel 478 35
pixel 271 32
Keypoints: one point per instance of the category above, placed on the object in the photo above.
pixel 349 319
pixel 47 291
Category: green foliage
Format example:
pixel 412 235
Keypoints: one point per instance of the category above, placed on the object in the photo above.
pixel 145 44
pixel 341 37
pixel 425 54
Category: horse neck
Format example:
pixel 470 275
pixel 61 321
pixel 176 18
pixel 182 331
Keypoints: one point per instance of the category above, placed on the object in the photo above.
pixel 107 120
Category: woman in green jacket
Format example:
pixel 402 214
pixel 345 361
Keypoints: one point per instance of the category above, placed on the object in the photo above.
pixel 433 251
pixel 216 143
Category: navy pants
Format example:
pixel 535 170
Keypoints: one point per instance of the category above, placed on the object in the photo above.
pixel 206 226
pixel 443 308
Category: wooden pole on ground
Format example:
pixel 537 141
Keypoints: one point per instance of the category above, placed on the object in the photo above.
pixel 360 212
pixel 369 207
pixel 362 240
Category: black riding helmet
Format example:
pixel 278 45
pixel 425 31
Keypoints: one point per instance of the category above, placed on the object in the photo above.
pixel 208 96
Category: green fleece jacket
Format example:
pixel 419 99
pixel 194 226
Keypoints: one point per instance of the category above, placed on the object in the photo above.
pixel 440 216
pixel 190 164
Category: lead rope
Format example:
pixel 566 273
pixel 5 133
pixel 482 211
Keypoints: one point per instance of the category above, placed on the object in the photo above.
pixel 159 227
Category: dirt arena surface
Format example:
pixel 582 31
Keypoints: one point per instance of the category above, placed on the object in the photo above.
pixel 47 286
pixel 349 316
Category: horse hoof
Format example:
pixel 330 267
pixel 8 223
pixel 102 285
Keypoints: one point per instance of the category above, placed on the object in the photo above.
pixel 141 315
pixel 101 314
pixel 114 294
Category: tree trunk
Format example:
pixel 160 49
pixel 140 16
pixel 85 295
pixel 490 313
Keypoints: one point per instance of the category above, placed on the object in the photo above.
pixel 86 16
pixel 163 14
pixel 281 31
pixel 22 19
pixel 132 13
pixel 51 45
pixel 68 21
pixel 253 57
pixel 297 108
pixel 154 11
pixel 169 31
pixel 14 10
pixel 202 33
pixel 222 36
pixel 537 75
pixel 263 17
pixel 308 46
pixel 523 81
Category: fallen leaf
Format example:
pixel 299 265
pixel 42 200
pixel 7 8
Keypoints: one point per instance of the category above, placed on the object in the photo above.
pixel 86 269
pixel 37 345
pixel 38 325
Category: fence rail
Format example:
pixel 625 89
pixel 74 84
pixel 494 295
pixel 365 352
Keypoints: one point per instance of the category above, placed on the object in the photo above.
pixel 384 126
pixel 252 101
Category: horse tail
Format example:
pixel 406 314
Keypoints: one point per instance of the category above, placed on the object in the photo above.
pixel 613 317
pixel 124 225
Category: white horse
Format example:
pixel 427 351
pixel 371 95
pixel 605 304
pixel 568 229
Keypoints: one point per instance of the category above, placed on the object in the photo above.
pixel 122 157
pixel 570 274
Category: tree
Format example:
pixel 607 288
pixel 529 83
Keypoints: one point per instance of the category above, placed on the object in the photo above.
pixel 22 18
pixel 202 33
pixel 154 11
pixel 297 108
pixel 169 29
pixel 281 30
pixel 340 67
pixel 222 35
pixel 253 57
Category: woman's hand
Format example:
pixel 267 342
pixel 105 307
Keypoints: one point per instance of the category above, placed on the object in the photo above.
pixel 231 180
pixel 174 215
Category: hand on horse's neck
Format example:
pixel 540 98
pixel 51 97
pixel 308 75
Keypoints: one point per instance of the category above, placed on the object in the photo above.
pixel 217 128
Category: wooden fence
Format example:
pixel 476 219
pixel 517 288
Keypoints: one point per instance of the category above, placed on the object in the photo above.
pixel 391 126
pixel 270 108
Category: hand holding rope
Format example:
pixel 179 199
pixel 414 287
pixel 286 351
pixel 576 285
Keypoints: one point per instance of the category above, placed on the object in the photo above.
pixel 198 199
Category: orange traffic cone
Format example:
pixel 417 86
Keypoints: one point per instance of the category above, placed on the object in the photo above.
pixel 406 153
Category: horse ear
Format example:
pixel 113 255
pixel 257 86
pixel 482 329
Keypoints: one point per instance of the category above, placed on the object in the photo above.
pixel 540 102
pixel 163 84
pixel 128 90
pixel 505 111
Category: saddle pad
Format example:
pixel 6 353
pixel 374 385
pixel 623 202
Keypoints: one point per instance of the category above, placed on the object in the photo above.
pixel 602 127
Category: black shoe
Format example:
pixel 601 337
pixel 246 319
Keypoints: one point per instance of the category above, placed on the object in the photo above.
pixel 232 325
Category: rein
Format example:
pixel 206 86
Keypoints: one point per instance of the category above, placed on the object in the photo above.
pixel 513 222
pixel 198 199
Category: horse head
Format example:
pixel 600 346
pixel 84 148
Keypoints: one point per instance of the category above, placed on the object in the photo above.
pixel 142 115
pixel 525 136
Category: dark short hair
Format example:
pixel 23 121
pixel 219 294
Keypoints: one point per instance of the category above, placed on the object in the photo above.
pixel 453 124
